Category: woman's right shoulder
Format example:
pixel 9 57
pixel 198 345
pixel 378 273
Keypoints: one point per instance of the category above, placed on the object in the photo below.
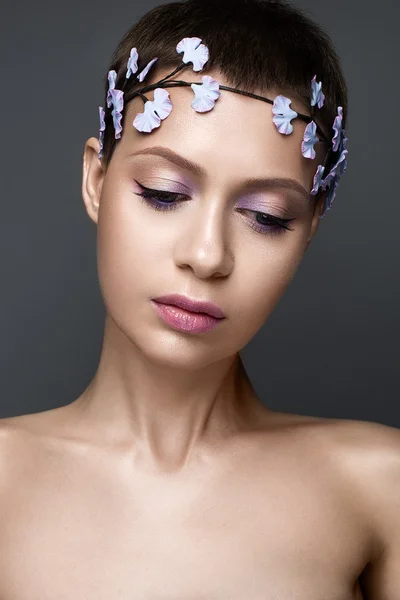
pixel 26 440
pixel 10 433
pixel 14 448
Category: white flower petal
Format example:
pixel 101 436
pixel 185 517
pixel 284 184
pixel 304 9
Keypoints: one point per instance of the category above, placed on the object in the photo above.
pixel 101 140
pixel 283 115
pixel 147 68
pixel 112 76
pixel 117 99
pixel 202 103
pixel 205 94
pixel 317 95
pixel 201 57
pixel 309 140
pixel 212 86
pixel 283 125
pixel 102 115
pixel 194 52
pixel 147 120
pixel 317 179
pixel 188 44
pixel 307 150
pixel 161 103
pixel 132 63
pixel 337 127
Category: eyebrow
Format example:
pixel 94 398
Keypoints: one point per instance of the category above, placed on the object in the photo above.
pixel 269 183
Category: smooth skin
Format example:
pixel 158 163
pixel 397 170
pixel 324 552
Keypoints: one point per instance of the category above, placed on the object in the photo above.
pixel 168 478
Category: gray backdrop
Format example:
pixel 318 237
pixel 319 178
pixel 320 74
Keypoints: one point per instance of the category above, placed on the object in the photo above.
pixel 330 347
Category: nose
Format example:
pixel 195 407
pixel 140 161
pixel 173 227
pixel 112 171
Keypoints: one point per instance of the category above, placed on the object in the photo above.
pixel 203 242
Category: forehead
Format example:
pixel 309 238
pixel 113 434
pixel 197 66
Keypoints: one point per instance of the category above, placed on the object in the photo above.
pixel 236 139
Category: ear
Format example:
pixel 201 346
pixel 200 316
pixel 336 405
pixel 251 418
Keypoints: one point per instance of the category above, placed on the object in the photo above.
pixel 92 178
pixel 318 208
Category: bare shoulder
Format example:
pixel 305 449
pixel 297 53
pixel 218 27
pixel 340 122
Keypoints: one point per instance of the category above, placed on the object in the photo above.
pixel 362 443
pixel 46 423
pixel 368 452
pixel 370 455
pixel 16 429
pixel 366 457
pixel 374 435
pixel 21 441
pixel 365 454
pixel 12 433
pixel 11 450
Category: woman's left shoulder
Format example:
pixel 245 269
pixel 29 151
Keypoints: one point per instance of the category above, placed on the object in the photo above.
pixel 363 437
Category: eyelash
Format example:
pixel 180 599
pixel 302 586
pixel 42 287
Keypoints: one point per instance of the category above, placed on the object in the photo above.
pixel 155 199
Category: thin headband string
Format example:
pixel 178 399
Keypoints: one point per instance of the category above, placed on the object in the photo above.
pixel 178 83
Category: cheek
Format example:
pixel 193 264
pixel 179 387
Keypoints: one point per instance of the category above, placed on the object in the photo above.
pixel 125 245
pixel 259 280
pixel 265 274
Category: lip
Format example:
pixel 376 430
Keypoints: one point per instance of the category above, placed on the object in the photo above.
pixel 195 306
pixel 184 320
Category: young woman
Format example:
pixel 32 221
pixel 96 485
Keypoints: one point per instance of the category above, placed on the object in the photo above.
pixel 168 478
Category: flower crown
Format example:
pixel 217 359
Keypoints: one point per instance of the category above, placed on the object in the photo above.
pixel 205 95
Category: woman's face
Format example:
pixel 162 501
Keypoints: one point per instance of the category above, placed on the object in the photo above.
pixel 216 243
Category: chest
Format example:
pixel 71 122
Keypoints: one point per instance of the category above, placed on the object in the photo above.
pixel 68 538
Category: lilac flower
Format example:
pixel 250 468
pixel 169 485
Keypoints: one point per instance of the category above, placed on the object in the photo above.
pixel 101 141
pixel 154 111
pixel 148 120
pixel 102 129
pixel 132 63
pixel 194 52
pixel 332 175
pixel 337 127
pixel 147 68
pixel 162 103
pixel 205 94
pixel 283 115
pixel 317 179
pixel 317 95
pixel 338 168
pixel 309 140
pixel 341 165
pixel 342 162
pixel 330 195
pixel 112 77
pixel 102 121
pixel 343 147
pixel 117 99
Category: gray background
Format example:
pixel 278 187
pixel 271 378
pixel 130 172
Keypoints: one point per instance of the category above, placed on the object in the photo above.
pixel 329 349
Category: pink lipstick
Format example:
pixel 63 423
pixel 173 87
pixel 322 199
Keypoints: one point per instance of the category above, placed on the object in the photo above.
pixel 188 315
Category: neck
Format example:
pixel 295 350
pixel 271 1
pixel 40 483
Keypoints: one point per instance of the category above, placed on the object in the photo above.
pixel 167 413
